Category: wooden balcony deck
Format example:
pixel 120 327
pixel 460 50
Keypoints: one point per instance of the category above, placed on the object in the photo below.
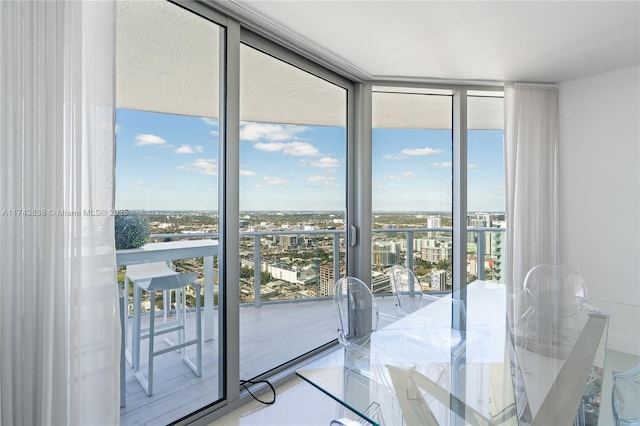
pixel 269 336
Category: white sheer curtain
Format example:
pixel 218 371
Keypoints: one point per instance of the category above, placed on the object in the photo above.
pixel 531 162
pixel 59 329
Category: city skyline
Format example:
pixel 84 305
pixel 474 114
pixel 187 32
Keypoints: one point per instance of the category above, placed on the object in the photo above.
pixel 170 162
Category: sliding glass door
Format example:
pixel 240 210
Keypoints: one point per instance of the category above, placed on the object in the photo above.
pixel 413 180
pixel 412 160
pixel 166 191
pixel 486 232
pixel 292 200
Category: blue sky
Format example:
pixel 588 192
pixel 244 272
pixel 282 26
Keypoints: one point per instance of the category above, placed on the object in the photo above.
pixel 170 162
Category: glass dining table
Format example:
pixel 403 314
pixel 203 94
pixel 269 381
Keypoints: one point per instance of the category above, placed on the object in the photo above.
pixel 419 370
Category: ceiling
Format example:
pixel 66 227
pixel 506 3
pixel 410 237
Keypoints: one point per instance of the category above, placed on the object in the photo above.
pixel 168 58
pixel 487 41
pixel 168 61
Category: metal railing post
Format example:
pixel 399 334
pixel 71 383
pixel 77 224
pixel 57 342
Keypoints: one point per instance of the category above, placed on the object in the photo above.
pixel 409 235
pixel 481 251
pixel 336 258
pixel 256 271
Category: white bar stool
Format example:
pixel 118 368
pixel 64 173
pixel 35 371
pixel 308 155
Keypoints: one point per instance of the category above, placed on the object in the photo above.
pixel 163 283
pixel 142 273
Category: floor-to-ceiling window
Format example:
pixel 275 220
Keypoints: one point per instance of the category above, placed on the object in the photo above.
pixel 486 202
pixel 291 185
pixel 412 160
pixel 292 201
pixel 413 182
pixel 167 154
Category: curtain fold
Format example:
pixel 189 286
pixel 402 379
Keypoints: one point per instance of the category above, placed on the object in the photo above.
pixel 59 329
pixel 531 163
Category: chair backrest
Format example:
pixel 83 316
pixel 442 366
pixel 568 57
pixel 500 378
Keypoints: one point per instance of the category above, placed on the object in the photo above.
pixel 406 289
pixel 555 314
pixel 356 311
pixel 556 290
pixel 625 397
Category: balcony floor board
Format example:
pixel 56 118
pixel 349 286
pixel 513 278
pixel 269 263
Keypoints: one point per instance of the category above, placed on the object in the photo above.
pixel 178 391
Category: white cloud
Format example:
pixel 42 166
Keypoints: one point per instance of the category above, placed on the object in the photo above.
pixel 247 173
pixel 442 165
pixel 269 147
pixel 267 131
pixel 213 122
pixel 270 180
pixel 144 139
pixel 387 157
pixel 185 149
pixel 448 165
pixel 207 166
pixel 320 179
pixel 300 148
pixel 290 148
pixel 401 176
pixel 118 128
pixel 421 151
pixel 324 162
pixel 198 148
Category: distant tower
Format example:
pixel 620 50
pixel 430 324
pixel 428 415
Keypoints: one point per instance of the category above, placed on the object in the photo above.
pixel 499 254
pixel 385 253
pixel 438 279
pixel 433 222
pixel 326 279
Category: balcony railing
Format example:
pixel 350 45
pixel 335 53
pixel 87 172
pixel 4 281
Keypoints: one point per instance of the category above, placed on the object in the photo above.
pixel 338 246
pixel 178 387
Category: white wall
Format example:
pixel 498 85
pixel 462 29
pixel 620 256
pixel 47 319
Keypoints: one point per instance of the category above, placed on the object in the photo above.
pixel 599 173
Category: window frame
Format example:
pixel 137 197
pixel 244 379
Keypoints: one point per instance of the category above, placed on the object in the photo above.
pixel 240 28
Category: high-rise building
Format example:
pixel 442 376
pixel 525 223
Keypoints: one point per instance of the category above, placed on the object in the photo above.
pixel 438 279
pixel 290 241
pixel 326 281
pixel 499 254
pixel 479 220
pixel 385 253
pixel 441 250
pixel 433 222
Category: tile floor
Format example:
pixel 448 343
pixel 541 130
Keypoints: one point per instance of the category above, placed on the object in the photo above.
pixel 300 404
pixel 297 404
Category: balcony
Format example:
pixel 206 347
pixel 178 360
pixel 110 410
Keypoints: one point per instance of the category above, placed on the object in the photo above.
pixel 178 392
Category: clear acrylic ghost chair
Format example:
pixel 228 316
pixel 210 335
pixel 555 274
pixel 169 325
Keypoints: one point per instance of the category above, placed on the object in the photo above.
pixel 357 316
pixel 625 397
pixel 356 311
pixel 555 297
pixel 407 291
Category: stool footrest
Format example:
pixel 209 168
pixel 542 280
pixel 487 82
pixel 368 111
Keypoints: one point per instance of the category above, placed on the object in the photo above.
pixel 175 347
pixel 163 331
pixel 161 326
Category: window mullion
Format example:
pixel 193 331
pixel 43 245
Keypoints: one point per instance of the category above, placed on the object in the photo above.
pixel 459 200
